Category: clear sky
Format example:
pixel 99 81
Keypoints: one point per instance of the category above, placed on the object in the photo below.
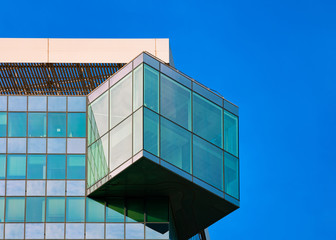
pixel 275 59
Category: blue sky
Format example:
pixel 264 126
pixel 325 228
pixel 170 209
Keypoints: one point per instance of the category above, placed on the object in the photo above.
pixel 275 59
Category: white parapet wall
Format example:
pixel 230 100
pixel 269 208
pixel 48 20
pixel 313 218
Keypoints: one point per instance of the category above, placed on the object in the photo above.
pixel 57 50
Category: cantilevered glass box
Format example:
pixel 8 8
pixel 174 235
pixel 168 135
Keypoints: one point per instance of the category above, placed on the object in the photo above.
pixel 153 131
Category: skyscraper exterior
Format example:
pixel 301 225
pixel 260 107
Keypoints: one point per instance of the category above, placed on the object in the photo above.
pixel 95 144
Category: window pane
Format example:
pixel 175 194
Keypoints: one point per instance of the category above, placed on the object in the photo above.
pixel 121 143
pixel 2 209
pixel 16 188
pixel 115 210
pixel 75 188
pixel 16 166
pixel 3 124
pixel 138 87
pixel 55 188
pixel 56 145
pixel 17 145
pixel 175 102
pixel 207 120
pixel 74 231
pixel 37 145
pixel 98 118
pixel 14 231
pixel 151 132
pixel 208 163
pixel 35 209
pixel 76 104
pixel 157 231
pixel 17 124
pixel 37 124
pixel 57 104
pixel 2 166
pixel 76 167
pixel 135 210
pixel 231 133
pixel 115 231
pixel 56 125
pixel 157 210
pixel 176 145
pixel 94 211
pixel 95 231
pixel 76 124
pixel 75 209
pixel 15 209
pixel 3 103
pixel 55 231
pixel 231 175
pixel 34 231
pixel 135 231
pixel 3 145
pixel 56 167
pixel 121 100
pixel 76 145
pixel 35 188
pixel 37 103
pixel 137 131
pixel 36 167
pixel 2 188
pixel 55 209
pixel 17 103
pixel 151 88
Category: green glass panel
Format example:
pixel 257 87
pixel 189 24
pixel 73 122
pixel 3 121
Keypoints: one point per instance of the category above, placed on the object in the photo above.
pixel 151 87
pixel 231 175
pixel 3 124
pixel 76 124
pixel 175 102
pixel 115 210
pixel 16 166
pixel 135 210
pixel 56 124
pixel 37 124
pixel 175 145
pixel 207 120
pixel 75 209
pixel 151 132
pixel 138 87
pixel 157 210
pixel 17 124
pixel 15 209
pixel 137 131
pixel 36 167
pixel 76 167
pixel 2 166
pixel 94 211
pixel 55 209
pixel 208 162
pixel 35 207
pixel 231 133
pixel 56 167
pixel 120 100
pixel 2 209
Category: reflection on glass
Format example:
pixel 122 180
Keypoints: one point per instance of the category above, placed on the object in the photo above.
pixel 37 123
pixel 75 209
pixel 208 163
pixel 175 102
pixel 55 188
pixel 151 98
pixel 15 188
pixel 175 145
pixel 98 118
pixel 76 167
pixel 55 231
pixel 94 211
pixel 231 175
pixel 121 100
pixel 17 124
pixel 137 131
pixel 16 166
pixel 35 188
pixel 37 145
pixel 231 133
pixel 35 209
pixel 17 103
pixel 95 231
pixel 17 145
pixel 15 209
pixel 2 209
pixel 115 210
pixel 137 87
pixel 3 145
pixel 135 210
pixel 57 104
pixel 157 231
pixel 56 167
pixel 151 132
pixel 36 167
pixel 56 124
pixel 115 231
pixel 34 231
pixel 2 166
pixel 74 231
pixel 76 104
pixel 37 103
pixel 56 145
pixel 75 188
pixel 55 209
pixel 2 188
pixel 121 143
pixel 207 120
pixel 76 124
pixel 135 231
pixel 157 210
pixel 14 231
pixel 3 103
pixel 76 145
pixel 3 124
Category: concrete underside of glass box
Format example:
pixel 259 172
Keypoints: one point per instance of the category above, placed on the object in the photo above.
pixel 193 207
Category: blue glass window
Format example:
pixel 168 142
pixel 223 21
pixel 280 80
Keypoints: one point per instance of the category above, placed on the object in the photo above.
pixel 35 207
pixel 55 209
pixel 37 103
pixel 94 211
pixel 57 104
pixel 17 124
pixel 151 98
pixel 115 210
pixel 76 167
pixel 231 133
pixel 56 167
pixel 151 132
pixel 231 175
pixel 76 124
pixel 16 166
pixel 56 125
pixel 37 124
pixel 3 124
pixel 15 207
pixel 75 209
pixel 2 166
pixel 36 167
pixel 2 209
